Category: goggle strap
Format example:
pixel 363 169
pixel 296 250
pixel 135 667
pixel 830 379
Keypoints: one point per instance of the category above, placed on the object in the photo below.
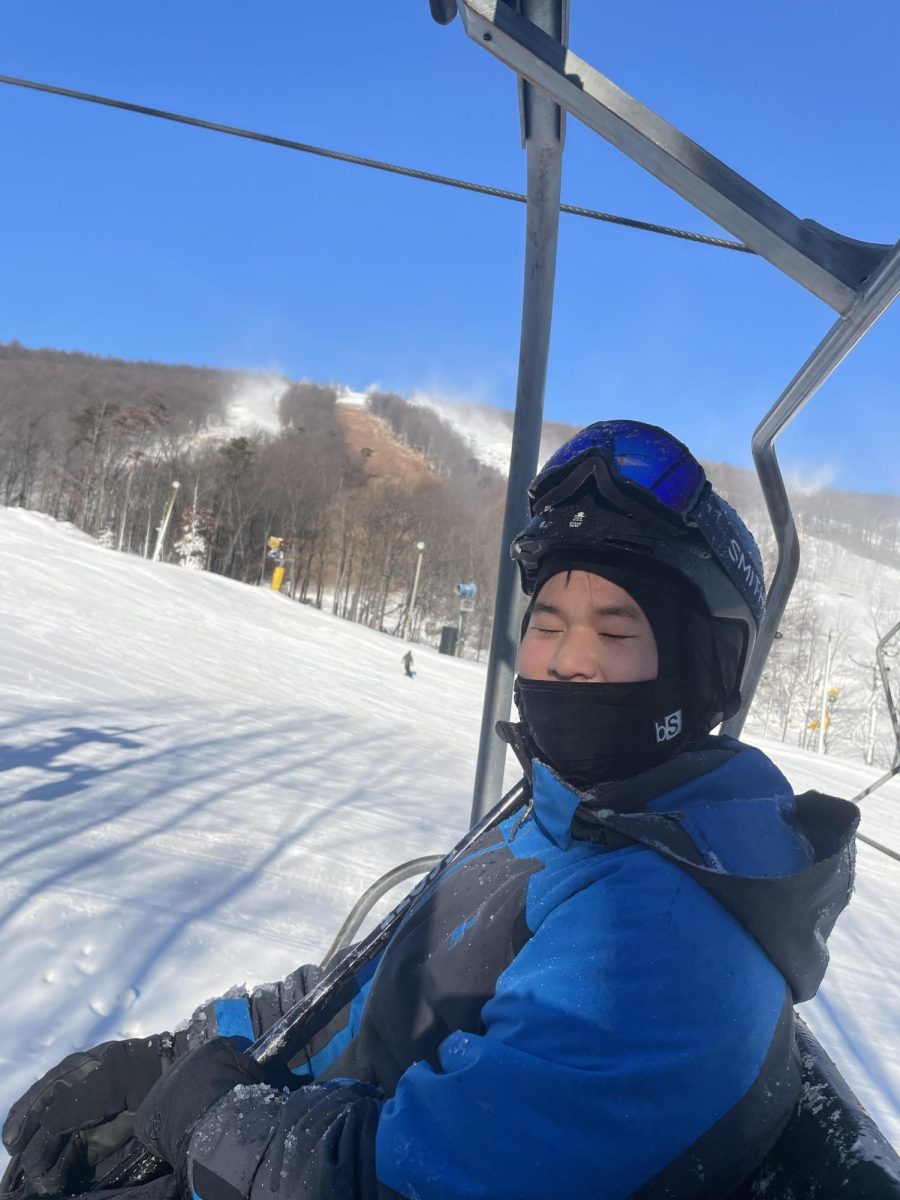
pixel 719 535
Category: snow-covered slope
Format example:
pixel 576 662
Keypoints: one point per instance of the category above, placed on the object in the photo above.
pixel 488 431
pixel 840 607
pixel 485 431
pixel 200 778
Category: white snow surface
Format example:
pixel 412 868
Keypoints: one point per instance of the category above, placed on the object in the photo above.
pixel 352 399
pixel 201 777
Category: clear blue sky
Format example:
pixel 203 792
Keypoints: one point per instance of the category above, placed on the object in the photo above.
pixel 126 236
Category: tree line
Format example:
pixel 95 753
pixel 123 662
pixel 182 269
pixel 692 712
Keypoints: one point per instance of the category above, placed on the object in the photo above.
pixel 102 445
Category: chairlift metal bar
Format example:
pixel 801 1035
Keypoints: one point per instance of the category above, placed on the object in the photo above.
pixel 873 787
pixel 381 886
pixel 857 279
pixel 829 265
pixel 543 131
pixel 882 289
pixel 861 837
pixel 883 670
pixel 895 768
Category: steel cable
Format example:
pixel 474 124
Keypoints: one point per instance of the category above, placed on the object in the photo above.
pixel 360 160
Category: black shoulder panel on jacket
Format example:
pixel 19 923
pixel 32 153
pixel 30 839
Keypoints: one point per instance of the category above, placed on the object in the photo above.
pixel 790 916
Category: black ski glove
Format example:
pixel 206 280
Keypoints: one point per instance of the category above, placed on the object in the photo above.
pixel 173 1107
pixel 82 1111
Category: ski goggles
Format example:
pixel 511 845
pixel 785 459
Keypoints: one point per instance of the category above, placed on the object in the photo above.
pixel 641 470
pixel 644 458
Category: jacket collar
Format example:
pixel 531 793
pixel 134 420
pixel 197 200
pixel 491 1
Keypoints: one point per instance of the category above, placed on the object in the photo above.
pixel 566 814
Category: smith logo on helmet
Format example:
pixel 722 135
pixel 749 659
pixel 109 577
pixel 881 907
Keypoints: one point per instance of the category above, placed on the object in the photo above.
pixel 669 727
pixel 747 569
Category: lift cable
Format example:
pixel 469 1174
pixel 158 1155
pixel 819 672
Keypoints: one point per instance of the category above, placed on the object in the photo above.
pixel 361 161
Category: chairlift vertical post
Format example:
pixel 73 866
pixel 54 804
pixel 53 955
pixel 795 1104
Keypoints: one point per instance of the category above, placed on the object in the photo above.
pixel 543 130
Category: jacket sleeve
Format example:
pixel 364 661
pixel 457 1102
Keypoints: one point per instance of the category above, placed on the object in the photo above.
pixel 638 1046
pixel 318 1141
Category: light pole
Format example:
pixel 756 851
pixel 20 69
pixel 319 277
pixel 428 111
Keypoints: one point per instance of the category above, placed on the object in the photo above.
pixel 420 546
pixel 161 533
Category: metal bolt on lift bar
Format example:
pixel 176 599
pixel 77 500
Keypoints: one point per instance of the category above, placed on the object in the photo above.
pixel 859 280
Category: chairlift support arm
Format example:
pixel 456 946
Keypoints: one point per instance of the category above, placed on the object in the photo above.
pixel 831 351
pixel 829 265
pixel 857 279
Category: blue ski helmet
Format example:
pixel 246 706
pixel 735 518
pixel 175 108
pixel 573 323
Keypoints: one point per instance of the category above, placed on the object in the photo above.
pixel 630 494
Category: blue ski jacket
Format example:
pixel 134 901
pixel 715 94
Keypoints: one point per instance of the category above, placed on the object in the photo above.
pixel 596 1003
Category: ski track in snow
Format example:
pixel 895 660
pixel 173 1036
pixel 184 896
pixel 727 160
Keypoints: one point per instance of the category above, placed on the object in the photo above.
pixel 200 778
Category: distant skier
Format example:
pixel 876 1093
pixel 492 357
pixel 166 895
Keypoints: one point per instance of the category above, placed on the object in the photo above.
pixel 407 661
pixel 596 1001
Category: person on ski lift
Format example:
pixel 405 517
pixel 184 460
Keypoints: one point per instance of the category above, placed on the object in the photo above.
pixel 596 1002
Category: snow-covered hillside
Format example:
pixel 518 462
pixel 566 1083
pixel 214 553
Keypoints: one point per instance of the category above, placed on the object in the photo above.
pixel 488 431
pixel 840 607
pixel 200 778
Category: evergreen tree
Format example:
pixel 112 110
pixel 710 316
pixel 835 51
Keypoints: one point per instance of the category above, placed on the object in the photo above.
pixel 191 547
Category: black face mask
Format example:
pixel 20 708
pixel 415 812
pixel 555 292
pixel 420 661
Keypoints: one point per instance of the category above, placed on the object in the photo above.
pixel 593 732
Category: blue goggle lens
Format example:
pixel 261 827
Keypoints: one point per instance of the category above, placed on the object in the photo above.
pixel 640 454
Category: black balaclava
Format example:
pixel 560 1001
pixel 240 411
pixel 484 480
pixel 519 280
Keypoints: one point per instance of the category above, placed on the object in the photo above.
pixel 595 732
